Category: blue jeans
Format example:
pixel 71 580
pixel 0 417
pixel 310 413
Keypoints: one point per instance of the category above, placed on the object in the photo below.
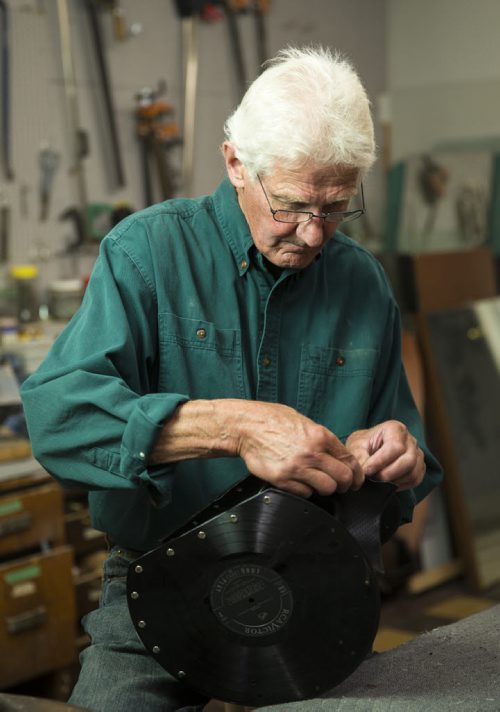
pixel 118 674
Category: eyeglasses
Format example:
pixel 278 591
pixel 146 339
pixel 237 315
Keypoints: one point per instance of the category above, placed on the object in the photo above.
pixel 302 216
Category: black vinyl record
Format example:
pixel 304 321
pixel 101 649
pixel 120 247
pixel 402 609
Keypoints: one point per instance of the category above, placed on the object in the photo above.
pixel 272 600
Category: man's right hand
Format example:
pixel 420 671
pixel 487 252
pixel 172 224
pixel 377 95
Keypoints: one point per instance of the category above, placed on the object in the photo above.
pixel 294 453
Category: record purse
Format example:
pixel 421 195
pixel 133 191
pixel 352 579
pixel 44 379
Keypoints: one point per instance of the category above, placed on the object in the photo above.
pixel 266 597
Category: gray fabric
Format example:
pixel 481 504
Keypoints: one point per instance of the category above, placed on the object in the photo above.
pixel 454 667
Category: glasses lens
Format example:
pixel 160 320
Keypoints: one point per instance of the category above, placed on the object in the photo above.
pixel 344 217
pixel 291 216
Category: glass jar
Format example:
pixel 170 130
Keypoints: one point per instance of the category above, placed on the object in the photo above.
pixel 65 297
pixel 25 279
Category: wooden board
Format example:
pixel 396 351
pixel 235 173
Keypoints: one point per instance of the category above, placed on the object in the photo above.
pixel 464 398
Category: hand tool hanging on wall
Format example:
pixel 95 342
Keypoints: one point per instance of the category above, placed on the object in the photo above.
pixel 120 31
pixel 233 8
pixel 188 11
pixel 5 90
pixel 157 134
pixel 78 137
pixel 260 9
pixel 4 228
pixel 117 163
pixel 24 190
pixel 48 162
pixel 77 218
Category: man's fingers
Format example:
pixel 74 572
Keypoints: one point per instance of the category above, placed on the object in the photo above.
pixel 406 472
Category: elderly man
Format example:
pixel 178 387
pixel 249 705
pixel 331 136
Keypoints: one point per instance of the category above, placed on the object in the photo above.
pixel 237 332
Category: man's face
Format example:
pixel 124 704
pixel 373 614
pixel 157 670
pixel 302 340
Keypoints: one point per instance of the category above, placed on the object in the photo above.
pixel 311 188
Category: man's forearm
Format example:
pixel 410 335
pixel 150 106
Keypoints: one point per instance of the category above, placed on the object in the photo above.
pixel 198 429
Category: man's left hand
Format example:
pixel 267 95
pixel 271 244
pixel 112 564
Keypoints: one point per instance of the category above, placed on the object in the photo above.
pixel 390 453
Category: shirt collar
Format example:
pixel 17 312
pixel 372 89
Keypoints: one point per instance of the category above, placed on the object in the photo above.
pixel 233 224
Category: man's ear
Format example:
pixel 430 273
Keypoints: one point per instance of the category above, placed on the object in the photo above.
pixel 234 166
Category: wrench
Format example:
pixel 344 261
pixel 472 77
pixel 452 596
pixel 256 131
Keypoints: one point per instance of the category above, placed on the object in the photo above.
pixel 48 161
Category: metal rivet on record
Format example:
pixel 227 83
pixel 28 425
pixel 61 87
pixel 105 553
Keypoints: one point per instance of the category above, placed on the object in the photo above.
pixel 170 552
pixel 267 499
pixel 141 624
pixel 233 518
pixel 138 569
pixel 181 673
pixel 134 595
pixel 202 535
pixel 156 648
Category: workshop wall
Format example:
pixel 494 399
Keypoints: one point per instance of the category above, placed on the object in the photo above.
pixel 39 112
pixel 443 73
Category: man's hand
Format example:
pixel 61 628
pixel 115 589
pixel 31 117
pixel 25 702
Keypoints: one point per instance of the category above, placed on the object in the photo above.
pixel 294 453
pixel 390 453
pixel 277 444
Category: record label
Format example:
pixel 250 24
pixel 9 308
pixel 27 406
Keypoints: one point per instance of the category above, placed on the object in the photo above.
pixel 251 600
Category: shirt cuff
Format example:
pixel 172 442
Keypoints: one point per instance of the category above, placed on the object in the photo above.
pixel 139 437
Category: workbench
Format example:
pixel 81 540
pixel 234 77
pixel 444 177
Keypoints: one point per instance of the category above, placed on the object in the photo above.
pixel 453 667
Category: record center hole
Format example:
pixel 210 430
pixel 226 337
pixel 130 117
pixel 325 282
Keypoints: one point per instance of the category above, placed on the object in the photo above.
pixel 251 600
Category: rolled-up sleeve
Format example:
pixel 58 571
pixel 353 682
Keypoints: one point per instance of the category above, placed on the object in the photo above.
pixel 92 407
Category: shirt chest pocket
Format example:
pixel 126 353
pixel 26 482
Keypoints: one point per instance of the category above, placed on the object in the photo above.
pixel 335 386
pixel 200 360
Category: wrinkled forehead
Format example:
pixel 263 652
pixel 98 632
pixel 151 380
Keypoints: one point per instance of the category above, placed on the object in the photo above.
pixel 311 178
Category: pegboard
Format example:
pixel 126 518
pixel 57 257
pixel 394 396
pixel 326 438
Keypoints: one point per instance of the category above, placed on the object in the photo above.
pixel 39 108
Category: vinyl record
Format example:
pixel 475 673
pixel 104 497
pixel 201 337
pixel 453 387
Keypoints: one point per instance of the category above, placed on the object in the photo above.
pixel 270 601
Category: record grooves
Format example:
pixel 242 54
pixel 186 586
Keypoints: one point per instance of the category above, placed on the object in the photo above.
pixel 271 600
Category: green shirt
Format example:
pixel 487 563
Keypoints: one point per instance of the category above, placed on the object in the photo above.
pixel 181 306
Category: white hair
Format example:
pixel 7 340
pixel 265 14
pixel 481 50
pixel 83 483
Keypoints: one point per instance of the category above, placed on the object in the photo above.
pixel 308 105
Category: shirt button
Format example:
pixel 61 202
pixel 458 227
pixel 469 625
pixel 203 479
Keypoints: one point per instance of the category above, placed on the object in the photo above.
pixel 243 264
pixel 201 333
pixel 266 361
pixel 340 360
pixel 142 455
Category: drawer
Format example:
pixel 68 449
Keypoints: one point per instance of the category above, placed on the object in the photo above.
pixel 88 591
pixel 80 535
pixel 29 517
pixel 37 615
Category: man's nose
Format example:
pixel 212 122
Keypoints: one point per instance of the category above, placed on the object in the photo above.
pixel 313 232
